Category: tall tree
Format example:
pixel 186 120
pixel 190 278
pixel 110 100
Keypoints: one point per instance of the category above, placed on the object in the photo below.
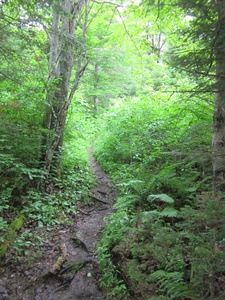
pixel 199 49
pixel 67 59
pixel 218 141
pixel 207 60
pixel 109 73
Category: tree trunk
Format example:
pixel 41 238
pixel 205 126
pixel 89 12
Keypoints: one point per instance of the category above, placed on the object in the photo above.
pixel 218 141
pixel 96 75
pixel 61 63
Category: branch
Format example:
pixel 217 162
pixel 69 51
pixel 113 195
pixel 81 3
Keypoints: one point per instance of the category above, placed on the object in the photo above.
pixel 78 76
pixel 192 91
pixel 106 2
pixel 128 31
pixel 10 78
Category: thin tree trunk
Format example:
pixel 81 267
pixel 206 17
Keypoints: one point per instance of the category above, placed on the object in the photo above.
pixel 218 141
pixel 96 75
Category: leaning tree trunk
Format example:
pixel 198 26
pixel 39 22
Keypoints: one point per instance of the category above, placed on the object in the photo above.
pixel 218 141
pixel 61 63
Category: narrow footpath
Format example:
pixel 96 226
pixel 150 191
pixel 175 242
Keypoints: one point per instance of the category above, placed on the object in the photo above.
pixel 65 265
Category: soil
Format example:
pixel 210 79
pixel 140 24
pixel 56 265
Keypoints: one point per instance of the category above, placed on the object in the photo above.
pixel 63 265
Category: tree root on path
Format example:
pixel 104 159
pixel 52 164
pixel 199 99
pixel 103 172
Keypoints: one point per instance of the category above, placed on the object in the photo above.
pixel 98 199
pixel 56 267
pixel 78 243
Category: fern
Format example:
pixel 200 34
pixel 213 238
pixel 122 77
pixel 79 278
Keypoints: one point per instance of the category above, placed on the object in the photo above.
pixel 169 212
pixel 132 186
pixel 127 201
pixel 161 197
pixel 170 284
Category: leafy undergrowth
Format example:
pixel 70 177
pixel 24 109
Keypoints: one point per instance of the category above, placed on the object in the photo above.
pixel 166 237
pixel 21 164
pixel 54 207
pixel 164 253
pixel 55 258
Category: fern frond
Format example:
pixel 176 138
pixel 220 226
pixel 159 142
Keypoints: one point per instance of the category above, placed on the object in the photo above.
pixel 132 185
pixel 160 197
pixel 149 215
pixel 169 212
pixel 127 201
pixel 170 283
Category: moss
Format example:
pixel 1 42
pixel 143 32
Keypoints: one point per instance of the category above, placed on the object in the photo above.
pixel 3 249
pixel 57 266
pixel 11 234
pixel 17 224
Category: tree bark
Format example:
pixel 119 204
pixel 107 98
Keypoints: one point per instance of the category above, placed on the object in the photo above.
pixel 218 141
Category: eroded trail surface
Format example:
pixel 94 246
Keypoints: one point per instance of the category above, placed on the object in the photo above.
pixel 64 265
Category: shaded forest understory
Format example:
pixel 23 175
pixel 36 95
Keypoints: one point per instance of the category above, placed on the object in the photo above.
pixel 143 83
pixel 59 261
pixel 164 238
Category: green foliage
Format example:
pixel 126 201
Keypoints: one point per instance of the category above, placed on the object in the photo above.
pixel 22 243
pixel 203 228
pixel 154 143
pixel 116 225
pixel 179 252
pixel 15 175
pixel 25 242
pixel 11 234
pixel 44 210
pixel 157 153
pixel 22 94
pixel 53 207
pixel 162 197
pixel 170 284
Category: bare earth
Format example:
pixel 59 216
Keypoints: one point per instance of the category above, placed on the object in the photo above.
pixel 64 265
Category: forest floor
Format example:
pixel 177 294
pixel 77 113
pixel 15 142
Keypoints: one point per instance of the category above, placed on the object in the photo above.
pixel 63 265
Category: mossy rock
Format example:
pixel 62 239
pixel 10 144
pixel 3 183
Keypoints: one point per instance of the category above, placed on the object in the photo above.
pixel 11 234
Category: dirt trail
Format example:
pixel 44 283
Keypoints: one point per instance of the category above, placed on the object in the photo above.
pixel 67 267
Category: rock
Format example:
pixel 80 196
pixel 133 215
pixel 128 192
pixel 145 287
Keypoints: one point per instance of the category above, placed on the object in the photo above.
pixel 3 293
